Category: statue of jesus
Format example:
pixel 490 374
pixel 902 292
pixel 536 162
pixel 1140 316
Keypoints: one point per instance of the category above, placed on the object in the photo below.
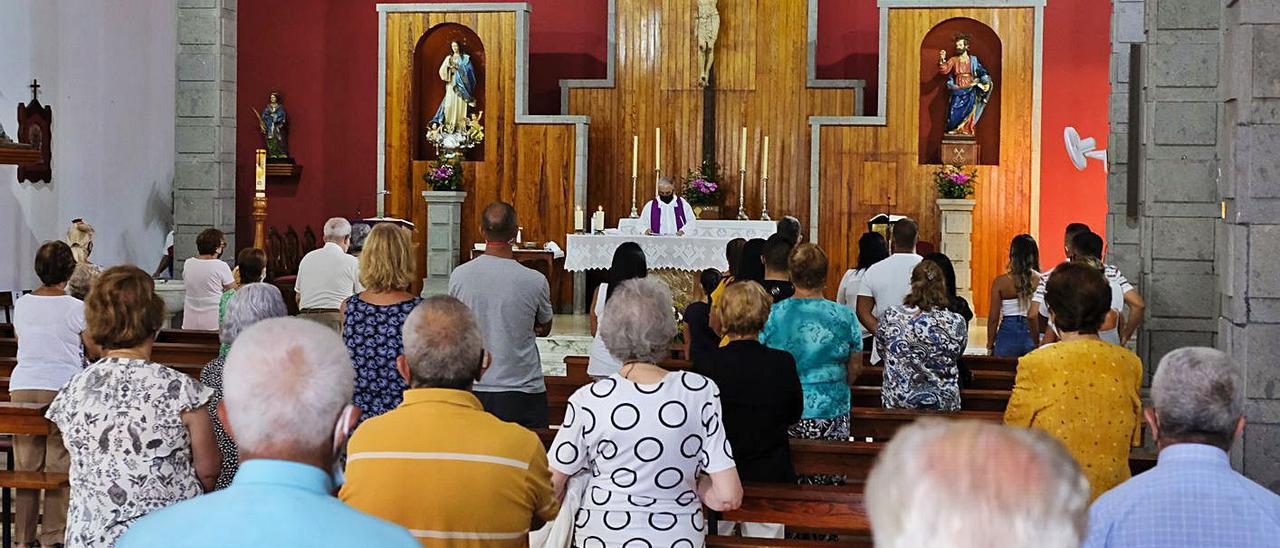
pixel 459 89
pixel 969 84
pixel 708 28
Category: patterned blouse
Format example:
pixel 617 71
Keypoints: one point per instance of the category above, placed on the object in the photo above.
pixel 211 376
pixel 130 452
pixel 921 352
pixel 820 335
pixel 372 334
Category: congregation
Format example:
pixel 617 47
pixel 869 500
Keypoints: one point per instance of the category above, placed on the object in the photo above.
pixel 379 417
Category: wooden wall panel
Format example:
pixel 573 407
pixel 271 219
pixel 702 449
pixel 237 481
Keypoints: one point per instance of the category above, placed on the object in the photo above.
pixel 527 165
pixel 860 156
pixel 761 77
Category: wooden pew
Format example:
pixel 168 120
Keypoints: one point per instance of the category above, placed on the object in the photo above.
pixel 881 424
pixel 970 398
pixel 208 338
pixel 24 419
pixel 873 375
pixel 179 353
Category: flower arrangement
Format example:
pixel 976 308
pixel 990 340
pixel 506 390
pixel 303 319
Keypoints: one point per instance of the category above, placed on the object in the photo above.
pixel 444 174
pixel 954 182
pixel 702 185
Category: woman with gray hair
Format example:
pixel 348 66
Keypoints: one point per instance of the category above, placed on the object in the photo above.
pixel 248 305
pixel 652 440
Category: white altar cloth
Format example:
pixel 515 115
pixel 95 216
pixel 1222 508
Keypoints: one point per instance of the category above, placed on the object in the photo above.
pixel 595 251
pixel 722 229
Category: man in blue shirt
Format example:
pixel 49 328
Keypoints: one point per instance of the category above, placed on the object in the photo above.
pixel 1192 498
pixel 286 383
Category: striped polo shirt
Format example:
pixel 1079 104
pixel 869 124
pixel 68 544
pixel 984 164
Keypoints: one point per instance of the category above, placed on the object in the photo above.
pixel 449 472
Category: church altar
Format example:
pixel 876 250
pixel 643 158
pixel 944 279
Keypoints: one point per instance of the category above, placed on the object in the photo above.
pixel 701 247
pixel 726 229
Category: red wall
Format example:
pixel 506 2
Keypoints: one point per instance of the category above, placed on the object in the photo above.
pixel 323 55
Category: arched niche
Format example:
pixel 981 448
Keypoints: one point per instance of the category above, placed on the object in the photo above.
pixel 934 98
pixel 428 90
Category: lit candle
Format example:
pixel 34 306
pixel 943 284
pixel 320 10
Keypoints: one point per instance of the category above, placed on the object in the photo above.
pixel 765 167
pixel 742 150
pixel 577 219
pixel 260 182
pixel 657 148
pixel 635 153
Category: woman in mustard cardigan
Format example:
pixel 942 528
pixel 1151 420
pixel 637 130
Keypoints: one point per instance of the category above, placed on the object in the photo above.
pixel 1082 390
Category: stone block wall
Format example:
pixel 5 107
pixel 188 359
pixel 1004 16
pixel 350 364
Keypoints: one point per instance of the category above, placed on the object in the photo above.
pixel 204 170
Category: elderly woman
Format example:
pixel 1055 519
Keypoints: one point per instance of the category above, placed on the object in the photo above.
pixel 138 432
pixel 80 238
pixel 372 319
pixel 826 341
pixel 48 324
pixel 652 440
pixel 1092 406
pixel 248 305
pixel 251 267
pixel 920 342
pixel 206 277
pixel 761 393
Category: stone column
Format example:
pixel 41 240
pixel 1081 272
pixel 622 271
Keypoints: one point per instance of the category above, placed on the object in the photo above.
pixel 957 241
pixel 1248 250
pixel 444 235
pixel 204 171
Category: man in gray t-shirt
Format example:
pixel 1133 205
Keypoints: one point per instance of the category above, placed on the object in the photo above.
pixel 512 304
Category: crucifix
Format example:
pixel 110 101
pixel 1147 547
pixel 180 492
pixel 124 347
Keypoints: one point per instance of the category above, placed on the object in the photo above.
pixel 35 89
pixel 708 29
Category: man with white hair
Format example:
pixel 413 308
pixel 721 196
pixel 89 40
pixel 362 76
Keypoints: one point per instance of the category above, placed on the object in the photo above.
pixel 1192 498
pixel 968 484
pixel 286 400
pixel 667 213
pixel 438 464
pixel 327 276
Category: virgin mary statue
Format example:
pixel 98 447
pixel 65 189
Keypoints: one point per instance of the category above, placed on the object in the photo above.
pixel 460 83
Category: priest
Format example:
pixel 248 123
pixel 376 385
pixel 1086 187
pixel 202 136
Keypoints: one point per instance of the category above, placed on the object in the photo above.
pixel 667 214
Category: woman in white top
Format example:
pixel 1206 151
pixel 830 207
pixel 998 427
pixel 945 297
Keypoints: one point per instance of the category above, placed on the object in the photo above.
pixel 628 263
pixel 49 326
pixel 651 442
pixel 206 277
pixel 1008 333
pixel 872 248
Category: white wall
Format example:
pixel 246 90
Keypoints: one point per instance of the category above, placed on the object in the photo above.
pixel 107 69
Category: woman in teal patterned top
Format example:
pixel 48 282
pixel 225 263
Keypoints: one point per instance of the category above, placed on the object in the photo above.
pixel 826 341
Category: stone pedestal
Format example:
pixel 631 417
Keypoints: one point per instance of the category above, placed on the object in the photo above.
pixel 957 241
pixel 173 292
pixel 444 232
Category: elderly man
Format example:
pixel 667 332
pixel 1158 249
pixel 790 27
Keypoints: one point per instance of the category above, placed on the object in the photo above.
pixel 667 214
pixel 438 464
pixel 327 276
pixel 1192 498
pixel 286 400
pixel 969 484
pixel 512 304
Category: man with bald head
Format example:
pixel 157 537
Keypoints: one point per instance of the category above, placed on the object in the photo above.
pixel 512 304
pixel 668 213
pixel 438 464
pixel 969 484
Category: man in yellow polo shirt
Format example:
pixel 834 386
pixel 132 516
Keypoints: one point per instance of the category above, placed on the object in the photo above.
pixel 439 465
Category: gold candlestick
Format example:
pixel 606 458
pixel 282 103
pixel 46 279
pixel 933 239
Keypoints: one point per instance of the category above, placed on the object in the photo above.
pixel 742 195
pixel 764 199
pixel 634 213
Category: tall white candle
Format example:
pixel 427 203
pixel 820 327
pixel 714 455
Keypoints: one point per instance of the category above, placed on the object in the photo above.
pixel 657 148
pixel 742 150
pixel 765 167
pixel 635 153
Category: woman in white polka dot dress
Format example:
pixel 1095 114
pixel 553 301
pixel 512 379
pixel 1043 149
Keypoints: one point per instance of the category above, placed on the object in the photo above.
pixel 651 440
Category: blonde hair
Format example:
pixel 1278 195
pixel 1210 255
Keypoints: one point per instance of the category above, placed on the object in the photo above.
pixel 928 287
pixel 386 262
pixel 808 266
pixel 80 238
pixel 743 308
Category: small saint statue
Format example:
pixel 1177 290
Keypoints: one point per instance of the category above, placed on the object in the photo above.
pixel 272 122
pixel 708 28
pixel 459 91
pixel 667 214
pixel 970 86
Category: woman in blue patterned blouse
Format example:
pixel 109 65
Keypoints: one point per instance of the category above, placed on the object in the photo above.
pixel 372 319
pixel 921 342
pixel 826 342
